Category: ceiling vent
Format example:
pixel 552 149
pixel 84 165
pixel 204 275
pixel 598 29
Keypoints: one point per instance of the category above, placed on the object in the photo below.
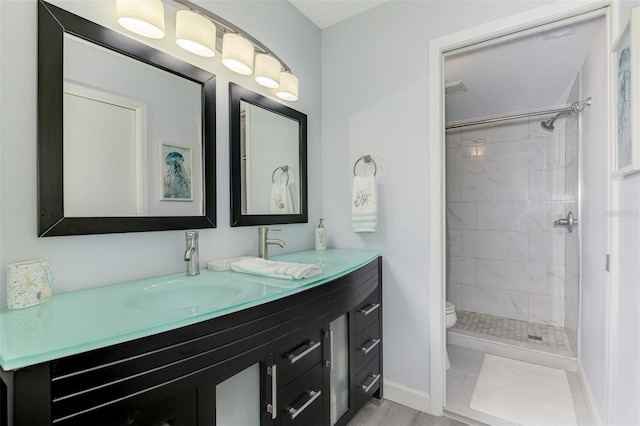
pixel 454 88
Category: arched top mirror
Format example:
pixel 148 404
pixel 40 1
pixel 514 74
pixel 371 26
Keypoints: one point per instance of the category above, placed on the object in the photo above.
pixel 126 133
pixel 268 160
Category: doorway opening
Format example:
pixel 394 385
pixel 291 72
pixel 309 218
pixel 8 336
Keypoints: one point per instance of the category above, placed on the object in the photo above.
pixel 511 265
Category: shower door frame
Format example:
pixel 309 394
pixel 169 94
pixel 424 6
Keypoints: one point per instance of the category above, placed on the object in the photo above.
pixel 529 21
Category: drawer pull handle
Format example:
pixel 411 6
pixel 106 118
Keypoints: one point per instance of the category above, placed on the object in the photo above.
pixel 367 388
pixel 367 349
pixel 272 408
pixel 313 395
pixel 369 308
pixel 331 343
pixel 293 357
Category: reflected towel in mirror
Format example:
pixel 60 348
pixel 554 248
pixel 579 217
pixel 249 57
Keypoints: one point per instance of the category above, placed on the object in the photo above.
pixel 364 211
pixel 281 202
pixel 275 269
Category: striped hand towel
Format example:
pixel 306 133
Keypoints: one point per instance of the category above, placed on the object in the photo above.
pixel 364 211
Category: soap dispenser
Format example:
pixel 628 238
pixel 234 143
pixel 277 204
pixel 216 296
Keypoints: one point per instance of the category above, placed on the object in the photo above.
pixel 321 237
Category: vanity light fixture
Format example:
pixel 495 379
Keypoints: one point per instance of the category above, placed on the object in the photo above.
pixel 288 87
pixel 195 33
pixel 237 53
pixel 143 17
pixel 198 30
pixel 267 71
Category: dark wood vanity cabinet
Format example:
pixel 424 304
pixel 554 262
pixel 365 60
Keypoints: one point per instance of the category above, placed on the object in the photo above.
pixel 172 377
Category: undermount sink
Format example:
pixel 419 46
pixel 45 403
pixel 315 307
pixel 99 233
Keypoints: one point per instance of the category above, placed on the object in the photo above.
pixel 192 293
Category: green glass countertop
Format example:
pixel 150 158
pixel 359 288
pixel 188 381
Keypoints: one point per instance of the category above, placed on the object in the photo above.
pixel 75 322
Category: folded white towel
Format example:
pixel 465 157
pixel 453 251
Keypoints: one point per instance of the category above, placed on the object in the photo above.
pixel 281 202
pixel 364 212
pixel 225 264
pixel 274 269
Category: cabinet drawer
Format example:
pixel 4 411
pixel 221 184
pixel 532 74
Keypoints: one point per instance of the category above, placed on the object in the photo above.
pixel 368 311
pixel 367 382
pixel 368 345
pixel 300 403
pixel 300 351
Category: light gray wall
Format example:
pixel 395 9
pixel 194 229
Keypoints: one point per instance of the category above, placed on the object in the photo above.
pixel 625 215
pixel 374 101
pixel 87 261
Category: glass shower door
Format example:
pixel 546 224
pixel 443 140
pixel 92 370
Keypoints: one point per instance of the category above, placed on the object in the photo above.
pixel 572 239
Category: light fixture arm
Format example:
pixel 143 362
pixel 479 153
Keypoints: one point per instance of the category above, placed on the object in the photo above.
pixel 228 26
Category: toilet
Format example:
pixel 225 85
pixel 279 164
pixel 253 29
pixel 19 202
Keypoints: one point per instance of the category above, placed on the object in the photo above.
pixel 450 320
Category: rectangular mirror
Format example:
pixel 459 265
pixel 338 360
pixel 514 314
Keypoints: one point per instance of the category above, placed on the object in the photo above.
pixel 268 160
pixel 126 133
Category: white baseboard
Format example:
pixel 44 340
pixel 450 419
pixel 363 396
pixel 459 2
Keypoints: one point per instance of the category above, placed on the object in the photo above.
pixel 404 395
pixel 596 418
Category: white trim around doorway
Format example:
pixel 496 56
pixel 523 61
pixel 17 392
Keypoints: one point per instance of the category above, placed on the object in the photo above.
pixel 528 20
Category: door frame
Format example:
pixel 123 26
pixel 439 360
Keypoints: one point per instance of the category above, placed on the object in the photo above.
pixel 525 21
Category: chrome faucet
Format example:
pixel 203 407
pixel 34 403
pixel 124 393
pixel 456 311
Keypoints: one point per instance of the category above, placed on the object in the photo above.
pixel 191 255
pixel 264 241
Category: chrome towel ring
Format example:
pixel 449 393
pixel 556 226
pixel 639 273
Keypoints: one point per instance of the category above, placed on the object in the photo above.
pixel 285 170
pixel 367 159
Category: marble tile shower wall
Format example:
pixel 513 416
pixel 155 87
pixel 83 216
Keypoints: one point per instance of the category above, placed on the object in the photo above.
pixel 505 187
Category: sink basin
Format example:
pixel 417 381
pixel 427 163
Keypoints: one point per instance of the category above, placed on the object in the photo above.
pixel 192 293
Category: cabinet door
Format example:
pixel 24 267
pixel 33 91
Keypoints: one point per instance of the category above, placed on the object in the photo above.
pixel 339 368
pixel 244 398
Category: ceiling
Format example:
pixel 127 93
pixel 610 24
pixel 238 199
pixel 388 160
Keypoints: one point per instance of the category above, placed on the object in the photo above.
pixel 325 13
pixel 529 73
pixel 525 73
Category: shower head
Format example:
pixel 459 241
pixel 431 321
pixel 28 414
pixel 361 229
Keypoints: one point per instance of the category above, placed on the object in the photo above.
pixel 575 109
pixel 548 124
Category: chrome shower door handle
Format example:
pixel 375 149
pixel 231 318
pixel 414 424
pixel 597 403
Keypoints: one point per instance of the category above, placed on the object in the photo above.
pixel 569 222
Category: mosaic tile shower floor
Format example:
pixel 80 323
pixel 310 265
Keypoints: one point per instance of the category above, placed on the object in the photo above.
pixel 539 336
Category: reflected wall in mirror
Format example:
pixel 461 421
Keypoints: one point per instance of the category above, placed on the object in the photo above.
pixel 126 134
pixel 270 152
pixel 268 160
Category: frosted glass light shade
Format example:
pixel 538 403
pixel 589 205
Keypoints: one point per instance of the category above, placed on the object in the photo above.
pixel 195 33
pixel 268 71
pixel 288 87
pixel 143 17
pixel 237 53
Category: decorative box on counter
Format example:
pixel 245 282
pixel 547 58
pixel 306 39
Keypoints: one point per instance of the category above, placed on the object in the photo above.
pixel 28 283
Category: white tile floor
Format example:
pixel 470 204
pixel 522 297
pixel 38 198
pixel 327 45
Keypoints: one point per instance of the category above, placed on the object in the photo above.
pixel 461 380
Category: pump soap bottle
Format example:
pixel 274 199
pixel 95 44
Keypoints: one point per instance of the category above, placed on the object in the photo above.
pixel 321 237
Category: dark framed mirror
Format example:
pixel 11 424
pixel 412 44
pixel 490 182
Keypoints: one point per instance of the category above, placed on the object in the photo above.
pixel 268 160
pixel 126 133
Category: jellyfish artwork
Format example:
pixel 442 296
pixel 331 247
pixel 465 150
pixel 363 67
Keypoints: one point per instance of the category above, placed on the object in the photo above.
pixel 624 108
pixel 177 180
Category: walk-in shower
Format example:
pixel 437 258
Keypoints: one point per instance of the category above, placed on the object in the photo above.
pixel 512 270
